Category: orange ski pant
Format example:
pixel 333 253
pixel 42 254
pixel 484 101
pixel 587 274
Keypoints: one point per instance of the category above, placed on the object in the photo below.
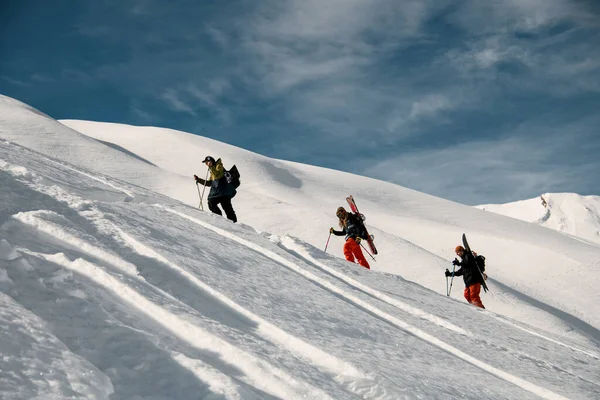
pixel 472 294
pixel 352 250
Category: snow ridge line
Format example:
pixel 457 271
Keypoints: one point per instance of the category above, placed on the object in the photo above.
pixel 217 381
pixel 522 383
pixel 97 179
pixel 290 244
pixel 342 371
pixel 586 352
pixel 65 164
pixel 35 220
pixel 258 372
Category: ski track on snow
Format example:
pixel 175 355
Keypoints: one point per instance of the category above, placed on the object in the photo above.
pixel 258 373
pixel 342 371
pixel 522 383
pixel 250 366
pixel 291 245
pixel 104 181
pixel 586 352
pixel 218 382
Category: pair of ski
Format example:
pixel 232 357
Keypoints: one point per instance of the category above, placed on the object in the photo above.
pixel 468 250
pixel 362 218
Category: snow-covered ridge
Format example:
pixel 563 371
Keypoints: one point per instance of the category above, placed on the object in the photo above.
pixel 125 290
pixel 285 198
pixel 565 212
pixel 157 298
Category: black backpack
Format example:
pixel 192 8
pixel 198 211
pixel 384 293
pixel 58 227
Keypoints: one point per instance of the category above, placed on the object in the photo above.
pixel 362 230
pixel 233 177
pixel 480 260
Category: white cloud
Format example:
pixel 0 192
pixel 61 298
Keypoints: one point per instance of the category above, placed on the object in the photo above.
pixel 516 32
pixel 506 16
pixel 136 109
pixel 16 82
pixel 529 160
pixel 323 60
pixel 176 103
pixel 211 96
pixel 429 105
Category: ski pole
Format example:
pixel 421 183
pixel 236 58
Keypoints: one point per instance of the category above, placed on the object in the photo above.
pixel 327 244
pixel 447 292
pixel 451 280
pixel 361 245
pixel 200 196
pixel 203 189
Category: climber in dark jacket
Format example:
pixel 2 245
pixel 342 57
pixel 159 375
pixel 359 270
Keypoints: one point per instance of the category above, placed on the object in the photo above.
pixel 351 228
pixel 221 191
pixel 471 275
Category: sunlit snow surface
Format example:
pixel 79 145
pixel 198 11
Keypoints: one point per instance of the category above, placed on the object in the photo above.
pixel 565 212
pixel 111 289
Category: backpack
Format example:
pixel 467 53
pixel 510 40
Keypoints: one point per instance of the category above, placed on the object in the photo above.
pixel 362 230
pixel 233 177
pixel 480 261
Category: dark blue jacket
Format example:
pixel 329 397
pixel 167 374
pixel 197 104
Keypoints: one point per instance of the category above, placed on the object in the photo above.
pixel 469 270
pixel 352 229
pixel 219 187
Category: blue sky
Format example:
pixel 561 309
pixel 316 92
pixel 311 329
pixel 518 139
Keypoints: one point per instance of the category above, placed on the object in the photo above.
pixel 474 101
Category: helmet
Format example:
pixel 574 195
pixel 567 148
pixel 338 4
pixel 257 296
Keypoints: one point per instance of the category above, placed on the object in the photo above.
pixel 459 248
pixel 340 212
pixel 209 158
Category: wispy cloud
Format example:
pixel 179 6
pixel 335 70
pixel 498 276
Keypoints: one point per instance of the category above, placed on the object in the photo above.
pixel 533 160
pixel 16 82
pixel 361 74
pixel 139 111
pixel 176 103
pixel 429 105
pixel 371 81
pixel 548 46
pixel 211 98
pixel 328 64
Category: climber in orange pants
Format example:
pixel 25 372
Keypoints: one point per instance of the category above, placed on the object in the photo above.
pixel 472 275
pixel 352 250
pixel 471 294
pixel 351 228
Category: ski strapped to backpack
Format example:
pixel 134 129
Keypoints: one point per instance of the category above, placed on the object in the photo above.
pixel 233 177
pixel 364 234
pixel 479 262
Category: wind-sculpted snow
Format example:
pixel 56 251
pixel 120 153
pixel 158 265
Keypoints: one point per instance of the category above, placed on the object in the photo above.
pixel 565 212
pixel 529 267
pixel 35 364
pixel 111 290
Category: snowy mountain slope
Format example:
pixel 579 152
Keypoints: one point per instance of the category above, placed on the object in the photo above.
pixel 418 230
pixel 109 289
pixel 565 212
pixel 535 274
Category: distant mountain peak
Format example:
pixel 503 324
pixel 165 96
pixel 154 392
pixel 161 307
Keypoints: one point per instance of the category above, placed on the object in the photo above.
pixel 570 213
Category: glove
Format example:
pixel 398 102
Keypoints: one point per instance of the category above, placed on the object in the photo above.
pixel 455 262
pixel 331 230
pixel 448 273
pixel 484 276
pixel 199 180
